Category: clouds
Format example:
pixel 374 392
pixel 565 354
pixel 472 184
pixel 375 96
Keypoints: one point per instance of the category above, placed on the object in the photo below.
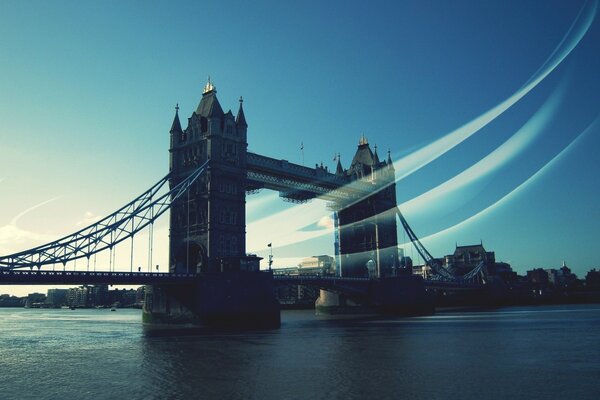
pixel 88 219
pixel 13 238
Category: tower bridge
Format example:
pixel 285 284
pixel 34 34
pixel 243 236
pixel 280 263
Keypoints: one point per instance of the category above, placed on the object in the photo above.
pixel 211 277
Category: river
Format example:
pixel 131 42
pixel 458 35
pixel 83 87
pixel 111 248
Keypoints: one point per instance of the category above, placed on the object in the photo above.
pixel 513 352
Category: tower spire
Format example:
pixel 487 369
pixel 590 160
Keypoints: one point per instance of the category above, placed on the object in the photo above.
pixel 209 87
pixel 240 119
pixel 176 126
pixel 339 170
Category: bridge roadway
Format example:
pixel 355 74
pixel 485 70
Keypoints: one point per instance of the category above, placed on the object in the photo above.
pixel 336 283
pixel 348 285
pixel 300 183
pixel 45 277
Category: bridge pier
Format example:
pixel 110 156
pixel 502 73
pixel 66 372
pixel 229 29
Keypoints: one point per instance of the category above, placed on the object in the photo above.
pixel 400 295
pixel 224 299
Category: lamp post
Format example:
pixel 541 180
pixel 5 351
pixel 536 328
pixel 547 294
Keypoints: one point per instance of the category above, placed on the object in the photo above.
pixel 270 246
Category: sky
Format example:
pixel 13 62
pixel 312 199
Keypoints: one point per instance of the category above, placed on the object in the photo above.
pixel 489 110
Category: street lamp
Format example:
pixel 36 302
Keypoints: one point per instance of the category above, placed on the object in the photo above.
pixel 270 255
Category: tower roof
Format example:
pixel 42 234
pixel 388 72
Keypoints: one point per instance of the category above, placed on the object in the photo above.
pixel 209 106
pixel 176 126
pixel 240 120
pixel 363 154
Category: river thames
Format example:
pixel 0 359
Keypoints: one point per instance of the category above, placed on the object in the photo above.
pixel 514 352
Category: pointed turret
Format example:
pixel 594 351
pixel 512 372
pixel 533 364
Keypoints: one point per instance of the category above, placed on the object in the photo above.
pixel 176 137
pixel 339 170
pixel 176 126
pixel 390 163
pixel 240 119
pixel 376 161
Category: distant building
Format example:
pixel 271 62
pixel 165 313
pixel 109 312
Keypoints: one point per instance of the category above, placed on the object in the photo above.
pixel 35 300
pixel 286 271
pixel 99 296
pixel 465 258
pixel 422 270
pixel 122 297
pixel 504 271
pixel 78 297
pixel 301 295
pixel 56 297
pixel 7 300
pixel 317 265
pixel 538 276
pixel 592 279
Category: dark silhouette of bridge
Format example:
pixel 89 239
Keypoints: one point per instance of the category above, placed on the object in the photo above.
pixel 211 277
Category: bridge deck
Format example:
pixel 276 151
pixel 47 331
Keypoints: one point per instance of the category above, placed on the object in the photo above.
pixel 43 277
pixel 19 277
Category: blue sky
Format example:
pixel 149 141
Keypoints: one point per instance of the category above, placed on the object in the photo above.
pixel 88 91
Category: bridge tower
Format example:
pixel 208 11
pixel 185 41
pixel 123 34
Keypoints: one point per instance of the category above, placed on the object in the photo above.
pixel 367 229
pixel 368 243
pixel 208 231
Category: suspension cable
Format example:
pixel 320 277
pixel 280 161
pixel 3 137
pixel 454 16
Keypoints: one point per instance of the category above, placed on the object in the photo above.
pixel 97 235
pixel 188 233
pixel 131 258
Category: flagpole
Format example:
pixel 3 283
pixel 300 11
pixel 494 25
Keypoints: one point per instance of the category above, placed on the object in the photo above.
pixel 302 149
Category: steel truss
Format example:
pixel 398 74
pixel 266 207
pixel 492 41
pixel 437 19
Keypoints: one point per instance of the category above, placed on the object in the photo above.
pixel 106 233
pixel 441 273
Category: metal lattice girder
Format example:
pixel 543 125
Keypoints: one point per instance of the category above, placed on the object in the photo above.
pixel 106 233
pixel 441 272
pixel 287 177
pixel 290 185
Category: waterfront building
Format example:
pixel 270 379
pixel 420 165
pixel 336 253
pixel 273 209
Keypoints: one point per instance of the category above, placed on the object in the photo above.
pixel 317 265
pixel 7 300
pixel 56 297
pixel 122 297
pixel 99 295
pixel 592 279
pixel 35 300
pixel 465 258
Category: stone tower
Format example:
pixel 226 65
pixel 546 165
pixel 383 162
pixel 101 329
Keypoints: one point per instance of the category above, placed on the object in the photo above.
pixel 207 228
pixel 367 229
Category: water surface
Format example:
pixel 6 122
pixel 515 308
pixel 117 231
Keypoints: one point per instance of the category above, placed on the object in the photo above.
pixel 517 352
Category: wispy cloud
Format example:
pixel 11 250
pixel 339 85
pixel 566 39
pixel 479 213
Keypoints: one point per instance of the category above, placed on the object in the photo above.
pixel 13 238
pixel 17 217
pixel 88 219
